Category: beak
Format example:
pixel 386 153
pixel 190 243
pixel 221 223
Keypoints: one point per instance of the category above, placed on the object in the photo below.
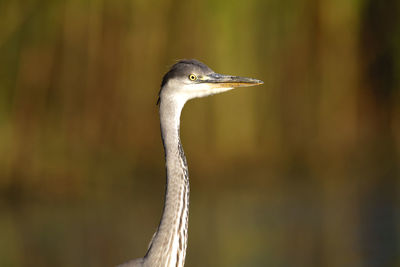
pixel 216 80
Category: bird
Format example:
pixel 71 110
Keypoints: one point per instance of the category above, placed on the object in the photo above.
pixel 186 80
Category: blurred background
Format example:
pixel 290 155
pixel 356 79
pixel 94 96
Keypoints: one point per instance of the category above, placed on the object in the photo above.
pixel 301 171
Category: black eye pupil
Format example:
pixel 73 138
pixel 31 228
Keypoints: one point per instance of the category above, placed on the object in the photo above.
pixel 192 77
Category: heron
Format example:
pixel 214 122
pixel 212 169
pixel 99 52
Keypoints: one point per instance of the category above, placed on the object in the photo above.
pixel 187 79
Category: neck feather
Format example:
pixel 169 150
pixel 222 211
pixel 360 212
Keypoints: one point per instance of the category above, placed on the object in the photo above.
pixel 168 247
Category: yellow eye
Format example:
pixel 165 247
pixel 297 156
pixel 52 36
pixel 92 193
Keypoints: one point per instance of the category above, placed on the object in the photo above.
pixel 192 77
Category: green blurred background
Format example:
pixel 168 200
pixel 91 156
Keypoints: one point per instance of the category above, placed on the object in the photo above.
pixel 302 171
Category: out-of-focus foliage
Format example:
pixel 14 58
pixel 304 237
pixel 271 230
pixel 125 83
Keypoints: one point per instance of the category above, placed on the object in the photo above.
pixel 302 171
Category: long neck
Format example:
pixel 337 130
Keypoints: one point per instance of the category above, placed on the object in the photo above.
pixel 168 247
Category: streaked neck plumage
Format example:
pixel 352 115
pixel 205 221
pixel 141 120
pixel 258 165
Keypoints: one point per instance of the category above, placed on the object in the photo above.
pixel 168 247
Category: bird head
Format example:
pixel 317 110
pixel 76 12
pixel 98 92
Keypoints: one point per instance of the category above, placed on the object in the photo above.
pixel 190 79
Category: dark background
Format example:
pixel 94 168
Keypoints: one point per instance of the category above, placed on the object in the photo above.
pixel 301 171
